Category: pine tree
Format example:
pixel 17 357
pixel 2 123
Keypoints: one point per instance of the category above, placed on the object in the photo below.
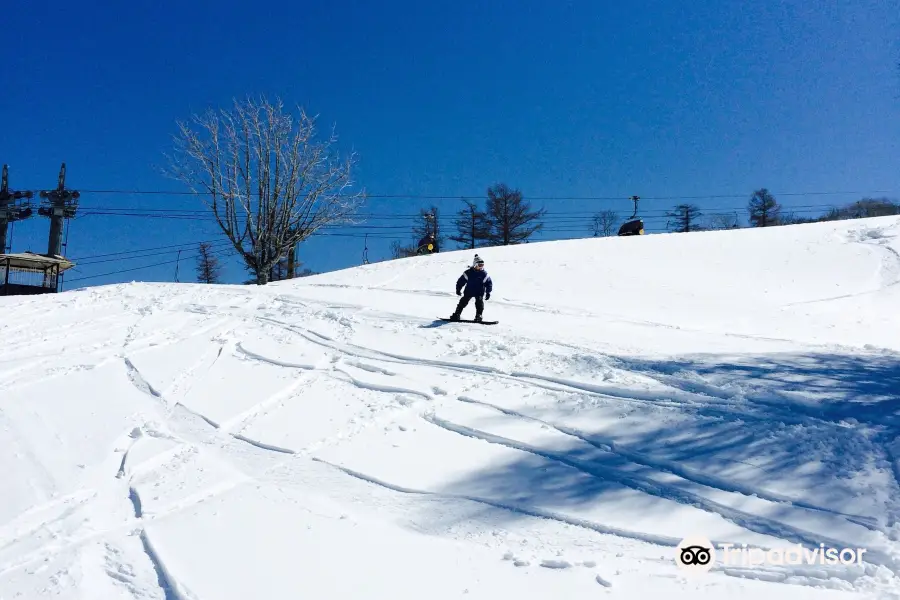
pixel 208 268
pixel 471 225
pixel 511 219
pixel 764 209
pixel 687 218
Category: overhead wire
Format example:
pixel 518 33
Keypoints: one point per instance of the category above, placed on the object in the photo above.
pixel 652 213
pixel 143 249
pixel 168 262
pixel 478 197
pixel 385 215
pixel 414 196
pixel 223 244
pixel 561 222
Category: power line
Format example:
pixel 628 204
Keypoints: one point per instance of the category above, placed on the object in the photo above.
pixel 559 223
pixel 216 245
pixel 384 215
pixel 479 197
pixel 204 216
pixel 168 262
pixel 144 249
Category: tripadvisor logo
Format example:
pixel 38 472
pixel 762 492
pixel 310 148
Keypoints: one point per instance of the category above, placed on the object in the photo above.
pixel 698 555
pixel 695 554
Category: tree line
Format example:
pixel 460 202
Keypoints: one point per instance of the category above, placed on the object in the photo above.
pixel 506 218
pixel 764 210
pixel 271 183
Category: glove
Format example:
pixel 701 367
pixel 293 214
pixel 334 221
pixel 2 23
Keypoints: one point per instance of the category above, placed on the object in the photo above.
pixel 487 296
pixel 458 293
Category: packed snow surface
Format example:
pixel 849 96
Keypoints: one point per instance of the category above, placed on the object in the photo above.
pixel 328 437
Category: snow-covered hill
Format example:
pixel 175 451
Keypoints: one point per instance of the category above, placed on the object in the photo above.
pixel 328 438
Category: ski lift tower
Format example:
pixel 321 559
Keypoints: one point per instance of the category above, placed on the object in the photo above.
pixel 14 206
pixel 29 273
pixel 60 204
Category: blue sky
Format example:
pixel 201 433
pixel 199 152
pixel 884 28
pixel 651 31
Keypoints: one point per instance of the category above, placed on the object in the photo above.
pixel 559 99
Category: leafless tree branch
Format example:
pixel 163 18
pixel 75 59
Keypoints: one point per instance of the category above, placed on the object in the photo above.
pixel 268 181
pixel 604 223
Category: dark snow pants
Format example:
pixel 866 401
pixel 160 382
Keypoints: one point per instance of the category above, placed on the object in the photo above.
pixel 464 302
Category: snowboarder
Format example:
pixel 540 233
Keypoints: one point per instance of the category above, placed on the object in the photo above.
pixel 478 285
pixel 427 245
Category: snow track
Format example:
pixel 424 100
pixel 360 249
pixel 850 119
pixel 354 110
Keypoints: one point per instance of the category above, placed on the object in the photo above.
pixel 172 588
pixel 518 509
pixel 751 522
pixel 610 445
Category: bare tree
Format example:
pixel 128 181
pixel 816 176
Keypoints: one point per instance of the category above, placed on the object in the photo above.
pixel 471 225
pixel 764 209
pixel 867 207
pixel 208 268
pixel 269 182
pixel 398 250
pixel 686 218
pixel 723 221
pixel 604 223
pixel 511 218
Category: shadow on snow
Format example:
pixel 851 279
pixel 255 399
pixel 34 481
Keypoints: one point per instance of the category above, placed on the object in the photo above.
pixel 820 430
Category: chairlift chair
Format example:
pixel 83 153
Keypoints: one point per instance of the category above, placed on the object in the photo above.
pixel 634 226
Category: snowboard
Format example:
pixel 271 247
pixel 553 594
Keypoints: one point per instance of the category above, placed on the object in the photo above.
pixel 445 319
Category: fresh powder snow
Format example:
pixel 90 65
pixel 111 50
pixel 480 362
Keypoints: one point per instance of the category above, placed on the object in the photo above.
pixel 330 437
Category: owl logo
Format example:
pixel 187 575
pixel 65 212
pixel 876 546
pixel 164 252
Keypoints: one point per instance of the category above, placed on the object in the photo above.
pixel 695 554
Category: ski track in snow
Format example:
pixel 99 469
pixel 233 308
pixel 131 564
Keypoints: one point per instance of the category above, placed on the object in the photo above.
pixel 168 583
pixel 797 575
pixel 263 445
pixel 171 587
pixel 563 384
pixel 253 355
pixel 669 398
pixel 746 520
pixel 609 445
pixel 890 263
pixel 680 394
pixel 23 525
pixel 388 389
pixel 577 313
pixel 659 540
pixel 138 380
pixel 241 421
pixel 681 400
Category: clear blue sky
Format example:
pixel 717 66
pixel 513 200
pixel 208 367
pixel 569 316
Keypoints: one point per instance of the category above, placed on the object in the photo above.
pixel 570 99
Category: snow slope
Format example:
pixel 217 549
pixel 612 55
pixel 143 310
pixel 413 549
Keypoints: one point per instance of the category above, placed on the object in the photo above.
pixel 328 438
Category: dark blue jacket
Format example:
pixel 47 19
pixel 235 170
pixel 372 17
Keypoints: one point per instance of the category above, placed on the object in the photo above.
pixel 477 282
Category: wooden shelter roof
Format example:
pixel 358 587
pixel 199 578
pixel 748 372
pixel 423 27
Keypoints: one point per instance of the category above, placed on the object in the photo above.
pixel 31 260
